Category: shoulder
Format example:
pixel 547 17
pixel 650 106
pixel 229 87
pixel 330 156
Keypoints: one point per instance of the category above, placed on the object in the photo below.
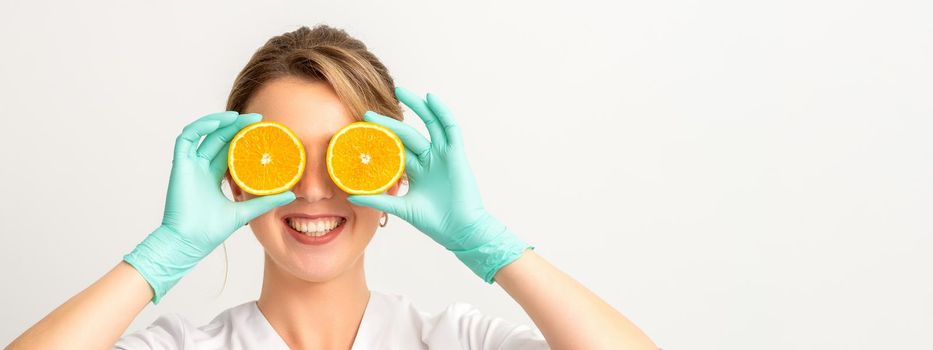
pixel 241 326
pixel 166 332
pixel 458 325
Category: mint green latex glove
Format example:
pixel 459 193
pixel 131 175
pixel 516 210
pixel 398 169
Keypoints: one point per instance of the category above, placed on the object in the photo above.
pixel 198 216
pixel 443 200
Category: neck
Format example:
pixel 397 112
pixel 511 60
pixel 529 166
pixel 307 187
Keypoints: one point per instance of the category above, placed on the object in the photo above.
pixel 314 315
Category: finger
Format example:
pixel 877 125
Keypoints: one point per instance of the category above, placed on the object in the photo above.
pixel 191 134
pixel 217 139
pixel 411 138
pixel 417 104
pixel 394 205
pixel 225 119
pixel 412 165
pixel 443 114
pixel 219 164
pixel 252 208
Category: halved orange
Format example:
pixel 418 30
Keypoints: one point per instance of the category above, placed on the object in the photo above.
pixel 266 158
pixel 365 158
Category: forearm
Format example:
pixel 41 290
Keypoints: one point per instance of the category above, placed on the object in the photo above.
pixel 95 318
pixel 568 314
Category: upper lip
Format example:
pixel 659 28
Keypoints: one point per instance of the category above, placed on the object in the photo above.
pixel 311 216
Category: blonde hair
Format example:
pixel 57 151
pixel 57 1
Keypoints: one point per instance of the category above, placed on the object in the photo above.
pixel 323 53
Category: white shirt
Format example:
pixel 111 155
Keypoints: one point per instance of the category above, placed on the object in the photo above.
pixel 390 321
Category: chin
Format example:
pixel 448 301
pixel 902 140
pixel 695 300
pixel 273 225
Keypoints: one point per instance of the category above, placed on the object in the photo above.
pixel 314 263
pixel 316 268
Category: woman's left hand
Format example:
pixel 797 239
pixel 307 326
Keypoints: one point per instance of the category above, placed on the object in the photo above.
pixel 443 200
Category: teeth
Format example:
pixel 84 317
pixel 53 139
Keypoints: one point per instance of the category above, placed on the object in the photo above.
pixel 315 227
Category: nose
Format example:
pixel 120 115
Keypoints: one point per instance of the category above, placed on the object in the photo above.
pixel 315 184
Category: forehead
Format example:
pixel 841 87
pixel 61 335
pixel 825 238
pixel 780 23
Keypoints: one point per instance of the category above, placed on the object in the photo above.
pixel 310 108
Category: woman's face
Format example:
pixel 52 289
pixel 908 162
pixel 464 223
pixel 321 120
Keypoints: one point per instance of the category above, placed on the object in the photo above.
pixel 313 111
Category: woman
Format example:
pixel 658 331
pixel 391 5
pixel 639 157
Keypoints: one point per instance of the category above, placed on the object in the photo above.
pixel 315 296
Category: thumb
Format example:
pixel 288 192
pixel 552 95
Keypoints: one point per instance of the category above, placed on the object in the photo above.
pixel 391 204
pixel 252 208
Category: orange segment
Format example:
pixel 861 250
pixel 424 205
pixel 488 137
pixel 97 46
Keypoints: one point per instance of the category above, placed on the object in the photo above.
pixel 365 158
pixel 266 158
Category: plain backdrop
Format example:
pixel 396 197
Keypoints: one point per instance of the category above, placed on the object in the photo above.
pixel 728 174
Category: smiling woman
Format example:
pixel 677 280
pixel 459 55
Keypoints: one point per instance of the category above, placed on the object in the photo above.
pixel 314 294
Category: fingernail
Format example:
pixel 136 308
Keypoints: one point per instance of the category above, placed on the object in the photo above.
pixel 251 117
pixel 370 115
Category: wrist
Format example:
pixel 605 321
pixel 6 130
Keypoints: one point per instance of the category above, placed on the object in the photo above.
pixel 501 248
pixel 156 258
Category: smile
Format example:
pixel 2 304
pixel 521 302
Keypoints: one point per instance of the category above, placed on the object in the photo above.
pixel 315 227
pixel 313 230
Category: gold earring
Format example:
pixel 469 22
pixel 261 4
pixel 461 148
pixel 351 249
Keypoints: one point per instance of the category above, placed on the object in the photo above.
pixel 384 219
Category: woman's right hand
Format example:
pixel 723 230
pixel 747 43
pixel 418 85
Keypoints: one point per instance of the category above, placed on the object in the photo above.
pixel 198 216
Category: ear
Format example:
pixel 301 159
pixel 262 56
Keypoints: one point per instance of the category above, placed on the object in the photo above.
pixel 398 184
pixel 237 192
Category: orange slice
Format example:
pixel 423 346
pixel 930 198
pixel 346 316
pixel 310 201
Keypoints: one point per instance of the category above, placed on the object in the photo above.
pixel 266 158
pixel 365 158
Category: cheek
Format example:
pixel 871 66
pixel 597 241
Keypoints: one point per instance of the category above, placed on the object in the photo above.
pixel 366 216
pixel 265 226
pixel 365 225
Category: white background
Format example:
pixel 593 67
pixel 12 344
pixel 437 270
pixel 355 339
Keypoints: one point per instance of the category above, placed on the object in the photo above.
pixel 728 174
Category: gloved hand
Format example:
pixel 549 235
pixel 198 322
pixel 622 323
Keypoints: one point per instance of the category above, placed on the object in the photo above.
pixel 197 217
pixel 443 200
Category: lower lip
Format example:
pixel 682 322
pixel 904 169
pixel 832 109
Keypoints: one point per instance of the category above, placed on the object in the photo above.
pixel 310 240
